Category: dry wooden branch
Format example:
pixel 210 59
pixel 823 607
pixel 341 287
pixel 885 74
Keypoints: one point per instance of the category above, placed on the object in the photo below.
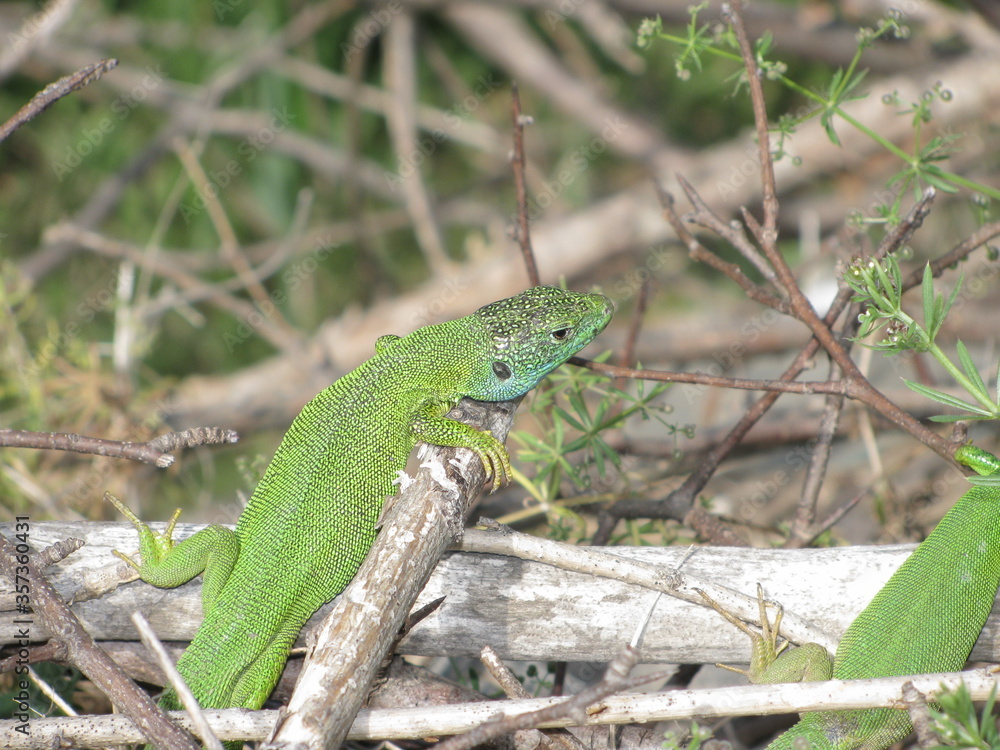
pixel 517 163
pixel 54 92
pixel 151 452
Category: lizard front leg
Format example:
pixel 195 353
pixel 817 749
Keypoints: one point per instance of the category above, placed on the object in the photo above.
pixel 430 426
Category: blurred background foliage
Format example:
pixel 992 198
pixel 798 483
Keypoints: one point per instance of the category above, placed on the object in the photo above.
pixel 199 237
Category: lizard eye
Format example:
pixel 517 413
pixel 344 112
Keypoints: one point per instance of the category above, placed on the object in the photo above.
pixel 560 334
pixel 501 370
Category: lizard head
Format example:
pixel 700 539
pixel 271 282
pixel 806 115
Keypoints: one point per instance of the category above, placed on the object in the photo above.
pixel 532 333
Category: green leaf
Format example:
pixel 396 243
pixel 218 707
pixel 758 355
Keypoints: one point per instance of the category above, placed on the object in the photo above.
pixel 827 121
pixel 993 480
pixel 565 416
pixel 851 85
pixel 970 370
pixel 954 295
pixel 576 401
pixel 599 457
pixel 835 80
pixel 945 398
pixel 948 418
pixel 603 406
pixel 927 288
pixel 609 453
pixel 530 440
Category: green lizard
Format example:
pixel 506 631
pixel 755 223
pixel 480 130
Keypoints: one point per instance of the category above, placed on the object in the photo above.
pixel 925 619
pixel 312 518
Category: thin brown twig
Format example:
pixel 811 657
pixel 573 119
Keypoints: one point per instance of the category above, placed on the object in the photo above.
pixel 241 309
pixel 826 523
pixel 853 388
pixel 54 92
pixel 732 232
pixel 700 253
pixel 229 245
pixel 627 355
pixel 805 513
pixel 517 164
pixel 615 680
pixel 151 452
pixel 900 234
pixel 957 254
pixel 513 688
pixel 729 231
pixel 801 308
pixel 679 504
pixel 399 53
pixel 769 234
pixel 780 385
pixel 750 252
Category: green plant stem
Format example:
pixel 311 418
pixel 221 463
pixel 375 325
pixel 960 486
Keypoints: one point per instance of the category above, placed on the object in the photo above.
pixel 936 352
pixel 913 160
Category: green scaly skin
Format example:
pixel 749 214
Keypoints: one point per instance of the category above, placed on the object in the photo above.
pixel 925 619
pixel 312 518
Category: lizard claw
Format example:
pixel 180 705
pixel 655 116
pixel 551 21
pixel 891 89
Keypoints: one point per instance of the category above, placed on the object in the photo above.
pixel 153 545
pixel 496 465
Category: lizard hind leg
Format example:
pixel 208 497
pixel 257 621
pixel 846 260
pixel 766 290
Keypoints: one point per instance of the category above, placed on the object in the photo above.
pixel 255 685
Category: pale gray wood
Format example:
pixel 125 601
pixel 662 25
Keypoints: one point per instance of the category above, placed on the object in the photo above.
pixel 523 610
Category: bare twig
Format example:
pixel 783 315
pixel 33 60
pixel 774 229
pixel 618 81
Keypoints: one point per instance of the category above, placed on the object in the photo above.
pixel 54 92
pixel 627 356
pixel 238 307
pixel 510 685
pixel 900 234
pixel 194 437
pixel 805 513
pixel 399 59
pixel 827 523
pixel 916 707
pixel 513 688
pixel 958 253
pixel 517 163
pixel 699 252
pixel 680 503
pixel 731 232
pixel 576 707
pixel 769 235
pixel 151 452
pixel 229 245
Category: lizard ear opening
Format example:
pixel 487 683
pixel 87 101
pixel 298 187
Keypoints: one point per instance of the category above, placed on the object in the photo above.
pixel 501 370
